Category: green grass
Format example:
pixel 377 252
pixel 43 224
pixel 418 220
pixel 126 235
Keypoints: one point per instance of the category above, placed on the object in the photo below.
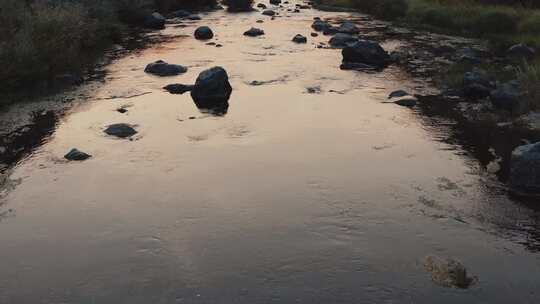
pixel 41 39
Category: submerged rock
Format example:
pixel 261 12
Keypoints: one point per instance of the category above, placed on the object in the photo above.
pixel 121 130
pixel 203 33
pixel 212 90
pixel 77 155
pixel 525 170
pixel 178 88
pixel 299 39
pixel 162 68
pixel 253 32
pixel 341 40
pixel 448 272
pixel 154 21
pixel 366 52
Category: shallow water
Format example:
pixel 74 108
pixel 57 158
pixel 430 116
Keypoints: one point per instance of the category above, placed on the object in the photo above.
pixel 333 197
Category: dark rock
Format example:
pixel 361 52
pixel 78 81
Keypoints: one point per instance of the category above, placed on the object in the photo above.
pixel 154 21
pixel 510 97
pixel 122 110
pixel 357 66
pixel 212 90
pixel 476 84
pixel 409 101
pixel 366 52
pixel 253 32
pixel 525 170
pixel 121 130
pixel 193 17
pixel 161 68
pixel 319 25
pixel 203 33
pixel 299 39
pixel 269 13
pixel 75 154
pixel 398 93
pixel 314 34
pixel 521 51
pixel 178 88
pixel 260 21
pixel 329 30
pixel 341 40
pixel 348 27
pixel 469 56
pixel 275 2
pixel 261 5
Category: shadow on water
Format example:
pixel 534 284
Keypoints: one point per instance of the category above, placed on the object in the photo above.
pixel 485 141
pixel 21 142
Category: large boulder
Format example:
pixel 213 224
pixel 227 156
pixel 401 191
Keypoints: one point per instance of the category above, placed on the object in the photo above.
pixel 525 170
pixel 366 52
pixel 348 27
pixel 212 90
pixel 162 68
pixel 253 32
pixel 203 33
pixel 154 21
pixel 341 40
pixel 509 96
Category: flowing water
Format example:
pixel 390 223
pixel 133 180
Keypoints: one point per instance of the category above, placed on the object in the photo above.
pixel 325 195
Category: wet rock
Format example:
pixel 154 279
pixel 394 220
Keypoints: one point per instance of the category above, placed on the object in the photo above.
pixel 212 90
pixel 407 101
pixel 154 21
pixel 121 130
pixel 366 52
pixel 178 88
pixel 162 68
pixel 261 5
pixel 398 93
pixel 269 13
pixel 203 33
pixel 525 170
pixel 253 32
pixel 314 34
pixel 476 84
pixel 521 51
pixel 319 25
pixel 275 2
pixel 299 39
pixel 193 17
pixel 75 154
pixel 341 40
pixel 448 272
pixel 348 27
pixel 510 97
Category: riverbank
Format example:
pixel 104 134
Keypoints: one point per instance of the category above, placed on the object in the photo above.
pixel 47 46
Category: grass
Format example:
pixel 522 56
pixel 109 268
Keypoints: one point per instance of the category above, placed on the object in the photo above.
pixel 42 39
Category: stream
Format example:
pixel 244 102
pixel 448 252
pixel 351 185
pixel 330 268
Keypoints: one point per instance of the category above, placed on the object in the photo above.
pixel 310 189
